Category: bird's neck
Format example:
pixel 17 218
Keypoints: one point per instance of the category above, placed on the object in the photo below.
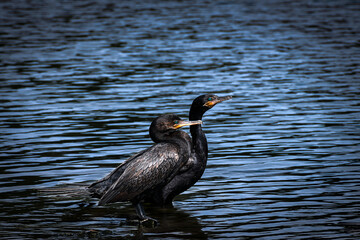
pixel 180 139
pixel 198 136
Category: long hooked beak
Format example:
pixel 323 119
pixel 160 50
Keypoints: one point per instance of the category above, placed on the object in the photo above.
pixel 216 101
pixel 183 123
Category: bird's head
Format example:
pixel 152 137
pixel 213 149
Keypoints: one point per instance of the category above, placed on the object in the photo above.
pixel 207 101
pixel 166 124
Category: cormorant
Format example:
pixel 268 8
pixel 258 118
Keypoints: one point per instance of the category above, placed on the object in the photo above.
pixel 192 171
pixel 137 177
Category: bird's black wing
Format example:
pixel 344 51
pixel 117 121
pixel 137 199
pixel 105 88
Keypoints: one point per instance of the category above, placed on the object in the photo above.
pixel 153 167
pixel 99 187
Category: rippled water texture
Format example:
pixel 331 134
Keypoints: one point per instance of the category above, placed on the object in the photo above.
pixel 82 80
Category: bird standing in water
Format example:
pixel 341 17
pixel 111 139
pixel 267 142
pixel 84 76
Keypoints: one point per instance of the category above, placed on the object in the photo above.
pixel 150 169
pixel 194 168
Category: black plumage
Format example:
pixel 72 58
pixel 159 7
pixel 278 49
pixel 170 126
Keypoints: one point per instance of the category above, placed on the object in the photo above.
pixel 194 168
pixel 150 169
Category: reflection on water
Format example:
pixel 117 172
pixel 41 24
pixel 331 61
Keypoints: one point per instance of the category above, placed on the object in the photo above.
pixel 81 82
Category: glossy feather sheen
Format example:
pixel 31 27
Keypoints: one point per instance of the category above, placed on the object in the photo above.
pixel 143 174
pixel 101 186
pixel 138 177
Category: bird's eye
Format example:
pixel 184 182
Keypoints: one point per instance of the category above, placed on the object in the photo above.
pixel 210 98
pixel 176 121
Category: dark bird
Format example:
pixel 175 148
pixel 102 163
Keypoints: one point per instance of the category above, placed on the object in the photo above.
pixel 150 169
pixel 194 168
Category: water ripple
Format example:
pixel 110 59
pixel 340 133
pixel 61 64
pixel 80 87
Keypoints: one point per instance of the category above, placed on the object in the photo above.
pixel 81 82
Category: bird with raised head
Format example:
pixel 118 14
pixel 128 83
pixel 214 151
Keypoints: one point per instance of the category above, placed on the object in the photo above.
pixel 195 166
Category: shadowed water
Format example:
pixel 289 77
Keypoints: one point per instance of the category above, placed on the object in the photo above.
pixel 81 82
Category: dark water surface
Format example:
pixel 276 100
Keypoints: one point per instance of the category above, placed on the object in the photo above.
pixel 82 80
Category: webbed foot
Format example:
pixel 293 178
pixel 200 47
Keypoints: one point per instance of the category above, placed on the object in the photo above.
pixel 148 222
pixel 145 222
pixel 143 219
